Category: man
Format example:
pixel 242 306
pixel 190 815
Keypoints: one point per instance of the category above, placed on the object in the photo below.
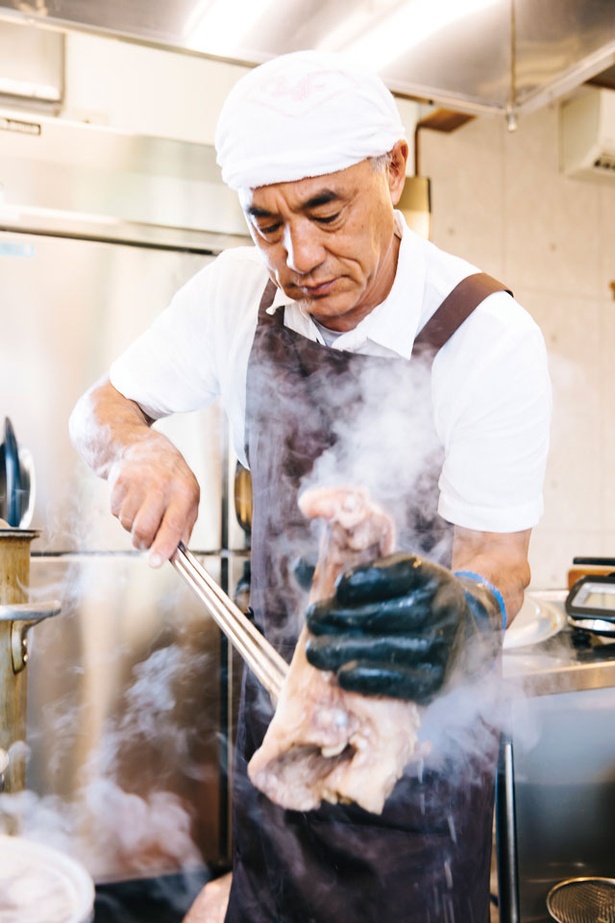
pixel 324 344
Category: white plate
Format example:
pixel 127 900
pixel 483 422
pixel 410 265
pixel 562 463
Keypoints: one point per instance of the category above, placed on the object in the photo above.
pixel 537 621
pixel 40 883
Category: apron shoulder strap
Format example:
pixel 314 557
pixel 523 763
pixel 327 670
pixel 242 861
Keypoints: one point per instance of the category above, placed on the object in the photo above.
pixel 266 302
pixel 454 310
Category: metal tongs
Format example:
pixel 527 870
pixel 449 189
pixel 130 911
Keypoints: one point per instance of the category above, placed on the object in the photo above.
pixel 262 658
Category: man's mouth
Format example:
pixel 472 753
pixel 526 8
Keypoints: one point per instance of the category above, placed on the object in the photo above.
pixel 317 291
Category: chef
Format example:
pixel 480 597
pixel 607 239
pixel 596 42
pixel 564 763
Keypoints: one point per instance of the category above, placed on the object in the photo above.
pixel 345 348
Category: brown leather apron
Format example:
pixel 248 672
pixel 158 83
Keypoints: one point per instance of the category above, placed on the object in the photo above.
pixel 426 859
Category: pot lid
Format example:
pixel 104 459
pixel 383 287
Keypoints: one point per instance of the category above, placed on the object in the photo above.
pixel 33 876
pixel 16 480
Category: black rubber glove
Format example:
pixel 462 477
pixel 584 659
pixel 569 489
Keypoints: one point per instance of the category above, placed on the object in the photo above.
pixel 401 626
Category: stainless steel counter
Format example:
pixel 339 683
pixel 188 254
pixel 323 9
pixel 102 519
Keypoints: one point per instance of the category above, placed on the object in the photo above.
pixel 556 785
pixel 567 662
pixel 558 666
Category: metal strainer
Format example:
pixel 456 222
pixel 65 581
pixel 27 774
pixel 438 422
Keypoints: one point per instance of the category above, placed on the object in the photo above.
pixel 583 900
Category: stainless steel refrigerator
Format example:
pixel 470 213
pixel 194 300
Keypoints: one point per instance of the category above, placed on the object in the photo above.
pixel 129 690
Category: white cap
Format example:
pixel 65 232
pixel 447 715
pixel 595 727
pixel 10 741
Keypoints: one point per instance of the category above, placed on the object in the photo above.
pixel 303 114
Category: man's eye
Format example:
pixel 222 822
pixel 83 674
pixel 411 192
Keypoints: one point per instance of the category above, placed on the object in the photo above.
pixel 269 229
pixel 326 219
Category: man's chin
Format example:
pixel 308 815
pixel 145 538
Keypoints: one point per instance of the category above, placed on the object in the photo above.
pixel 335 318
pixel 329 310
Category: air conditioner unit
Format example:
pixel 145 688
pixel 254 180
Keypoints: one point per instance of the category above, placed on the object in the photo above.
pixel 587 135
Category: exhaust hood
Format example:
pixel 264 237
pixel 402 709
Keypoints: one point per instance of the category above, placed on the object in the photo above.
pixel 478 56
pixel 77 180
pixel 500 56
pixel 31 67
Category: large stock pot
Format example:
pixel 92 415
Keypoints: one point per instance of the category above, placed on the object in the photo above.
pixel 36 881
pixel 17 616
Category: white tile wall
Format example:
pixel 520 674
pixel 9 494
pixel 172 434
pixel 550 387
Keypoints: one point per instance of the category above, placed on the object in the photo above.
pixel 500 201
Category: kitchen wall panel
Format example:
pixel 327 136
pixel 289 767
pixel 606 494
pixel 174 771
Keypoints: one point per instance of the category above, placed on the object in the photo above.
pixel 552 239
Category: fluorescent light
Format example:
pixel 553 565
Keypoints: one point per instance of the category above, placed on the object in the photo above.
pixel 219 26
pixel 412 22
pixel 356 23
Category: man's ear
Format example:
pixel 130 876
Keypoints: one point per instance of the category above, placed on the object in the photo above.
pixel 396 169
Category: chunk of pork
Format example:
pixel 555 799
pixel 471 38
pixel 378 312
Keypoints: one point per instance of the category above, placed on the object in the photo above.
pixel 325 744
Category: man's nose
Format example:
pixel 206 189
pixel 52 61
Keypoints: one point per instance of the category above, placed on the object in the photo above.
pixel 304 252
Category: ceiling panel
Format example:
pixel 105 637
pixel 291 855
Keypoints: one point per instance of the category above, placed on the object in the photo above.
pixel 506 55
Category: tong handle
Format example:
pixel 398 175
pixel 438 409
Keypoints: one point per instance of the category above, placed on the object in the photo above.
pixel 262 658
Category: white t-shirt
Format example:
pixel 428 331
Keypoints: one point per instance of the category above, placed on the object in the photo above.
pixel 489 385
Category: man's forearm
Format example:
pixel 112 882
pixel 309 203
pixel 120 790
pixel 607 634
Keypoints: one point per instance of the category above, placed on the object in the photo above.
pixel 499 557
pixel 153 492
pixel 104 424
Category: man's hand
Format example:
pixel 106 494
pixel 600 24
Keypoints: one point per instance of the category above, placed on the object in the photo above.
pixel 211 903
pixel 154 493
pixel 401 626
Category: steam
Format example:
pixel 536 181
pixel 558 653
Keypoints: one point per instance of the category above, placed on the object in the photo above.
pixel 383 438
pixel 141 828
pixel 375 445
pixel 144 825
pixel 369 423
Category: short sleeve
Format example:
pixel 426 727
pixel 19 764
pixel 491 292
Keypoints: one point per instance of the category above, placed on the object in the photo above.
pixel 493 414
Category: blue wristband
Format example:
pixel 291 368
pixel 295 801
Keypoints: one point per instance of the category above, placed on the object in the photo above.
pixel 492 589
